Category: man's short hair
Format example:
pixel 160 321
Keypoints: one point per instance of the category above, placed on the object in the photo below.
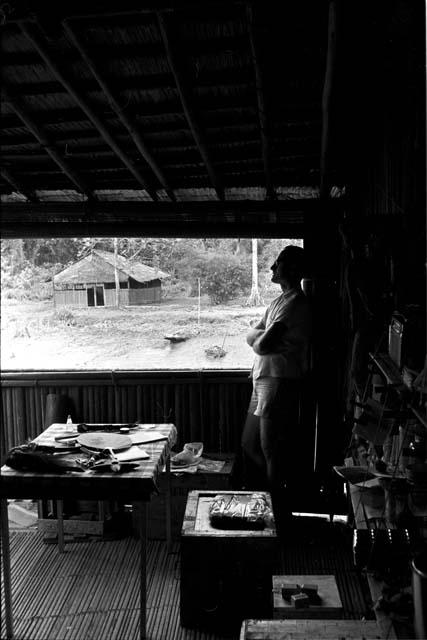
pixel 294 256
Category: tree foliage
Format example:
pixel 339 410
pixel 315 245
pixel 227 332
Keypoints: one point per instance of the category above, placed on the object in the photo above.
pixel 223 265
pixel 222 275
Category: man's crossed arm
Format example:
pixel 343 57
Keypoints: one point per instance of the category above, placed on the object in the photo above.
pixel 264 341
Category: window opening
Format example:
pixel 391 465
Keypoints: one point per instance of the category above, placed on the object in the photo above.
pixel 168 303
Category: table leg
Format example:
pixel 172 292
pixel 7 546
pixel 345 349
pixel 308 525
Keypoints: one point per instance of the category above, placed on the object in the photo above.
pixel 6 568
pixel 142 522
pixel 60 519
pixel 168 505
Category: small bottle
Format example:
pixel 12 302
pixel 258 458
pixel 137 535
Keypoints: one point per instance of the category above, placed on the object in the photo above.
pixel 417 448
pixel 69 424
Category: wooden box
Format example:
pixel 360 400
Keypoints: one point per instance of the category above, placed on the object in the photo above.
pixel 310 629
pixel 82 518
pixel 218 477
pixel 330 605
pixel 225 574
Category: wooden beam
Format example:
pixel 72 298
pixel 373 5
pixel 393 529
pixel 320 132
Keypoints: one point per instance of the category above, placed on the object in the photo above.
pixel 184 91
pixel 166 210
pixel 128 13
pixel 261 101
pixel 293 115
pixel 45 142
pixel 274 219
pixel 125 50
pixel 126 120
pixel 326 101
pixel 18 185
pixel 39 43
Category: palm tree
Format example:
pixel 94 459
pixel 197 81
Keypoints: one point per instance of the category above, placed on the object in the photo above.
pixel 116 272
pixel 254 299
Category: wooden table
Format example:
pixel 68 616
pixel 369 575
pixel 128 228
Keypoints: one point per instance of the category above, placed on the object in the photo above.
pixel 136 486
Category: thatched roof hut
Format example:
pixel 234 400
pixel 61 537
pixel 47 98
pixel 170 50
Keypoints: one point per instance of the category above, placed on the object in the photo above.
pixel 91 282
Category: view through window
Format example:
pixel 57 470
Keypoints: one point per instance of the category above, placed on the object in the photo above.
pixel 133 303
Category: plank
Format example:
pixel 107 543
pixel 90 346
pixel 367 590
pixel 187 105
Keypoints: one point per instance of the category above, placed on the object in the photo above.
pixel 309 629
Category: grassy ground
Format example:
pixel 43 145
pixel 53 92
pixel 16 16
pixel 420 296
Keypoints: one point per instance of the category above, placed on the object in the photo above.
pixel 36 336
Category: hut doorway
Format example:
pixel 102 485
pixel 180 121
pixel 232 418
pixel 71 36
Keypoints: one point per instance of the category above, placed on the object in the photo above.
pixel 95 296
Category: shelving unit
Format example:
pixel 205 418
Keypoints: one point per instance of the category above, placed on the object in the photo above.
pixel 420 415
pixel 387 368
pixel 368 512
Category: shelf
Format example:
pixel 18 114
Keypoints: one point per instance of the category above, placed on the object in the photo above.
pixel 420 415
pixel 388 369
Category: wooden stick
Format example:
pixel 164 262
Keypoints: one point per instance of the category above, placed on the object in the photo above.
pixel 60 516
pixel 142 518
pixel 168 504
pixel 326 100
pixel 182 86
pixel 262 107
pixel 6 567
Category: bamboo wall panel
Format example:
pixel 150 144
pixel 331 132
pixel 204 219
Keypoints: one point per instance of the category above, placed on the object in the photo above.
pixel 206 407
pixel 72 297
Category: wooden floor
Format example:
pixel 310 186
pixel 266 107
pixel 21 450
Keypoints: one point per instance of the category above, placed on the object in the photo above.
pixel 91 591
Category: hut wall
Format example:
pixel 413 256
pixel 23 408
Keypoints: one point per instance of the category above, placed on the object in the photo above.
pixel 71 297
pixel 144 296
pixel 110 297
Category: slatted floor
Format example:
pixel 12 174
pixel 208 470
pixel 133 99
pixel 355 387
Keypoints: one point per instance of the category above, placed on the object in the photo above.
pixel 91 591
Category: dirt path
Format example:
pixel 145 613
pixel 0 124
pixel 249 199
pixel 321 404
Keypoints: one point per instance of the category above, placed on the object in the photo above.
pixel 34 337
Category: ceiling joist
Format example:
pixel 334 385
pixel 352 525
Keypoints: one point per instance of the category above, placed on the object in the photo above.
pixel 184 91
pixel 123 51
pixel 173 219
pixel 127 121
pixel 36 38
pixel 45 142
pixel 262 108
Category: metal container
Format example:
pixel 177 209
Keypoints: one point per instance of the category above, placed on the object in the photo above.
pixel 419 588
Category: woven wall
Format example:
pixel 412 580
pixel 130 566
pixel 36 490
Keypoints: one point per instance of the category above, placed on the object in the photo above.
pixel 203 406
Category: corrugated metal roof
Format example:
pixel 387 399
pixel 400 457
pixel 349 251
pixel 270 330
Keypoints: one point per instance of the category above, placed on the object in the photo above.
pixel 98 266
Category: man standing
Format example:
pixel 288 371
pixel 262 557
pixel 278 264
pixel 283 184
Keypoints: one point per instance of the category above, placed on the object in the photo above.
pixel 280 342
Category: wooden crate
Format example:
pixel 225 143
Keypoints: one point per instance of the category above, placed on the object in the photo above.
pixel 180 486
pixel 225 574
pixel 72 526
pixel 330 605
pixel 309 629
pixel 86 518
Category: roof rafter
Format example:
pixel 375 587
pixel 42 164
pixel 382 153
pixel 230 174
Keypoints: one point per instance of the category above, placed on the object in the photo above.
pixel 207 46
pixel 262 109
pixel 133 219
pixel 184 92
pixel 127 121
pixel 35 37
pixel 326 101
pixel 46 143
pixel 18 185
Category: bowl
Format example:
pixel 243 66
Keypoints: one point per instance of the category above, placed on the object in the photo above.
pixel 195 448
